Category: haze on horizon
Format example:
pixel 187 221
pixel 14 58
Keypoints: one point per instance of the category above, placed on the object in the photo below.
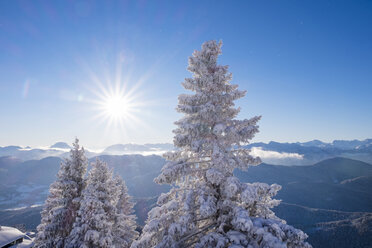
pixel 65 67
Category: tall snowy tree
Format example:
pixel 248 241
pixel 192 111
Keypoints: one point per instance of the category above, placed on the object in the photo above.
pixel 124 229
pixel 97 214
pixel 208 206
pixel 63 201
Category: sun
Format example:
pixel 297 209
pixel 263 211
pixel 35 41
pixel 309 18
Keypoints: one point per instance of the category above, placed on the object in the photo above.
pixel 116 106
pixel 117 101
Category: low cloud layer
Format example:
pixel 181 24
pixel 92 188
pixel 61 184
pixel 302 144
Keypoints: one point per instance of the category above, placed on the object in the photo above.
pixel 273 157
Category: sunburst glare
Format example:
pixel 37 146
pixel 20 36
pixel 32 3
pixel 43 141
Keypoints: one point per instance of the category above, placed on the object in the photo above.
pixel 116 106
pixel 116 98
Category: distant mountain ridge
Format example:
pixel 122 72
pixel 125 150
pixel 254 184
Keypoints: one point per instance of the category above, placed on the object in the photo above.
pixel 330 200
pixel 314 151
pixel 329 228
pixel 61 145
pixel 336 144
pixel 305 153
pixel 122 148
pixel 322 185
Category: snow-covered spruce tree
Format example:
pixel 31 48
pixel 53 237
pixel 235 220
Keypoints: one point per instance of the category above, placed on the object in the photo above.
pixel 124 229
pixel 63 201
pixel 96 217
pixel 208 206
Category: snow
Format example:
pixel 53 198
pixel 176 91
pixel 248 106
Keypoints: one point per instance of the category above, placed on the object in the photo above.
pixel 61 206
pixel 10 234
pixel 208 206
pixel 24 207
pixel 17 197
pixel 86 212
pixel 104 218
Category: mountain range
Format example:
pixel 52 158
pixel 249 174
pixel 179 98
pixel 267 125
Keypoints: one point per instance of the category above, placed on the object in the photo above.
pixel 330 200
pixel 311 152
pixel 305 153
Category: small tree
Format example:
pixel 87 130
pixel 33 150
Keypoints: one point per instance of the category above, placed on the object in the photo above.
pixel 209 207
pixel 125 222
pixel 96 217
pixel 63 201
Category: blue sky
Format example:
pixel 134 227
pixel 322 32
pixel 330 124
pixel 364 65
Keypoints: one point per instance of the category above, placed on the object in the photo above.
pixel 307 66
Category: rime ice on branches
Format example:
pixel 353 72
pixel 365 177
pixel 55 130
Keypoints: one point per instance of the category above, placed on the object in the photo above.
pixel 208 206
pixel 94 223
pixel 63 201
pixel 104 219
pixel 125 221
pixel 92 212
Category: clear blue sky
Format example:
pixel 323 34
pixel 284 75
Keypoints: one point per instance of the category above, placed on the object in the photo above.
pixel 307 66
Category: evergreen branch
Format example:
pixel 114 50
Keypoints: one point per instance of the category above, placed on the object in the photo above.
pixel 196 233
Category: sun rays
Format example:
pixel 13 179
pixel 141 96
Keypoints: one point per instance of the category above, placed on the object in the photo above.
pixel 117 102
pixel 117 106
pixel 118 99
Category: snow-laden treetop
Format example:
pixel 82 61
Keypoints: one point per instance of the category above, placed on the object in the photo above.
pixel 209 207
pixel 209 134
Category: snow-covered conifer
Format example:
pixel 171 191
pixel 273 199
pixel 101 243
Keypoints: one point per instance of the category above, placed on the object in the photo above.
pixel 208 206
pixel 63 201
pixel 124 229
pixel 97 213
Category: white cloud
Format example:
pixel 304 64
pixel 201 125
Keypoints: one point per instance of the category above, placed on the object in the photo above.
pixel 24 207
pixel 274 157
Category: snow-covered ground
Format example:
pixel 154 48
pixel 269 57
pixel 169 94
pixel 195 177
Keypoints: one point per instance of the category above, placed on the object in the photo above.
pixel 14 237
pixel 22 196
